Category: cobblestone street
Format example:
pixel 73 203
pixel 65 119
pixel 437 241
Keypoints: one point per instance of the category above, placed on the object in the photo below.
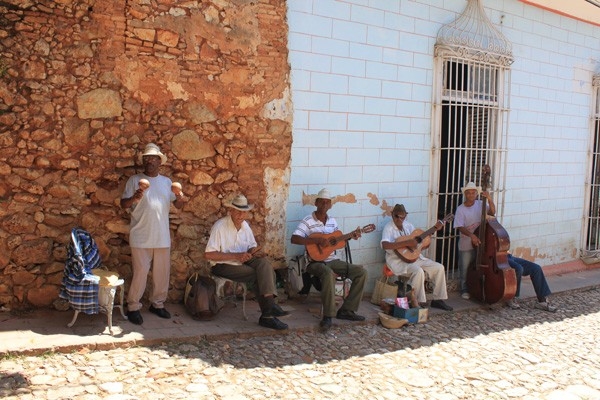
pixel 478 354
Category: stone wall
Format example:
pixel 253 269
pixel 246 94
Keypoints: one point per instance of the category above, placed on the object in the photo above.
pixel 85 84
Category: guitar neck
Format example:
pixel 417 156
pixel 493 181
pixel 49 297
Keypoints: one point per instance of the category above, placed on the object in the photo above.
pixel 428 232
pixel 345 237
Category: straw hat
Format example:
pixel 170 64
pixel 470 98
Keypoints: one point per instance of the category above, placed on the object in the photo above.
pixel 107 278
pixel 471 186
pixel 391 322
pixel 324 194
pixel 153 150
pixel 240 202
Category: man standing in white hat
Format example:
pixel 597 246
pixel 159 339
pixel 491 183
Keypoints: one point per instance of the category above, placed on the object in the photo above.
pixel 321 223
pixel 466 219
pixel 149 236
pixel 231 251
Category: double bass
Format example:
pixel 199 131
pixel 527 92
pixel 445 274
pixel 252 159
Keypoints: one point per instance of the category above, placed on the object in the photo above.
pixel 490 279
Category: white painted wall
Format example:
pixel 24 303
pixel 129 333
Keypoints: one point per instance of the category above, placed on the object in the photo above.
pixel 549 131
pixel 362 89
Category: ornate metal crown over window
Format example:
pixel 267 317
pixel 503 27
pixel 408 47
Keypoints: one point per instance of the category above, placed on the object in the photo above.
pixel 472 36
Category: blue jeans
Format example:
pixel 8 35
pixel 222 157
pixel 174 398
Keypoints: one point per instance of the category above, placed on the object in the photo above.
pixel 523 267
pixel 465 258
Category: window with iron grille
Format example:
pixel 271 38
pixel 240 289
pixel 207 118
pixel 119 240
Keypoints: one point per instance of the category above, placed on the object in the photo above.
pixel 470 111
pixel 470 117
pixel 592 219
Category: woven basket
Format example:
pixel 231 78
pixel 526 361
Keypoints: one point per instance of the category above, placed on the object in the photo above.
pixel 391 322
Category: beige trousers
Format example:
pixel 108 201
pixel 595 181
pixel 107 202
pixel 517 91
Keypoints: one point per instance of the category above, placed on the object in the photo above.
pixel 417 270
pixel 142 260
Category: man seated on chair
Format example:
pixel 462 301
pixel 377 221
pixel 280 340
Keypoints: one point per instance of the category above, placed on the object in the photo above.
pixel 398 227
pixel 231 250
pixel 326 270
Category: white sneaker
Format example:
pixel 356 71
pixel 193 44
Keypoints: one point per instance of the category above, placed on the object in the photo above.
pixel 512 304
pixel 465 296
pixel 546 306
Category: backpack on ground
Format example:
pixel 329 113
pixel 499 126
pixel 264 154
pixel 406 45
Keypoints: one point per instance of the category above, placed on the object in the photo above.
pixel 296 267
pixel 200 298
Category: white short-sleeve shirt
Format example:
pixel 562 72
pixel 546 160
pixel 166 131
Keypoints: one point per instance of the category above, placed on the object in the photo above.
pixel 310 225
pixel 226 238
pixel 149 226
pixel 470 218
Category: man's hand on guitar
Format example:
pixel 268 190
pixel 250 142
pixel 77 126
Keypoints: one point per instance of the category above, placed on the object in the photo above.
pixel 319 241
pixel 357 233
pixel 411 243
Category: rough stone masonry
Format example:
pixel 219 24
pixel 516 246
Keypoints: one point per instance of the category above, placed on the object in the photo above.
pixel 85 84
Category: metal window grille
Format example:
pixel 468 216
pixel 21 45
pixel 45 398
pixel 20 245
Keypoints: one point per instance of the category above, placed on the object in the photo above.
pixel 470 118
pixel 592 219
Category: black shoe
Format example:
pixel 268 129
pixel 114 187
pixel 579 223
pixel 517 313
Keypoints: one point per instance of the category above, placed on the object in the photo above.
pixel 349 315
pixel 277 311
pixel 273 323
pixel 135 317
pixel 441 304
pixel 325 323
pixel 161 312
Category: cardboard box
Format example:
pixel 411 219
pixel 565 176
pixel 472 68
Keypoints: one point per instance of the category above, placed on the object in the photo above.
pixel 414 315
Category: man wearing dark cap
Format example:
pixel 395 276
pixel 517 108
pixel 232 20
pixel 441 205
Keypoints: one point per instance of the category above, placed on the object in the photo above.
pixel 231 251
pixel 397 228
pixel 320 222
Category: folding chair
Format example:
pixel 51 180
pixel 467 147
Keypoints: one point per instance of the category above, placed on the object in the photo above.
pixel 311 280
pixel 86 286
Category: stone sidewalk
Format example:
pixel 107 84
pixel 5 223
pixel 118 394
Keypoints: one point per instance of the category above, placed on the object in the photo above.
pixel 46 330
pixel 477 352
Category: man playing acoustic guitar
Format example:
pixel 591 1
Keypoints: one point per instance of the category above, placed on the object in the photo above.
pixel 319 230
pixel 396 236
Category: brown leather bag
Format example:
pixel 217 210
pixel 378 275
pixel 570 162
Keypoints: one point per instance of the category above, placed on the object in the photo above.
pixel 201 299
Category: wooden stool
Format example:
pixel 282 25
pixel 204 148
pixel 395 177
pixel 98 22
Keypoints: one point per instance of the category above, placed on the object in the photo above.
pixel 106 302
pixel 402 278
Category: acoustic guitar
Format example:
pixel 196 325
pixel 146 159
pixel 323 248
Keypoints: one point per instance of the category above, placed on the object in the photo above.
pixel 423 239
pixel 335 240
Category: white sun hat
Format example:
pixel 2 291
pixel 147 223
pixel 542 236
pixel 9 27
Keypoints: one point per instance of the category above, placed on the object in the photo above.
pixel 471 186
pixel 240 202
pixel 153 150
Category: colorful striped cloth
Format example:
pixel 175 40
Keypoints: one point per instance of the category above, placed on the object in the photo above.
pixel 80 286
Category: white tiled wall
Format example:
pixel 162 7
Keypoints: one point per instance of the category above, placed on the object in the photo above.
pixel 362 88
